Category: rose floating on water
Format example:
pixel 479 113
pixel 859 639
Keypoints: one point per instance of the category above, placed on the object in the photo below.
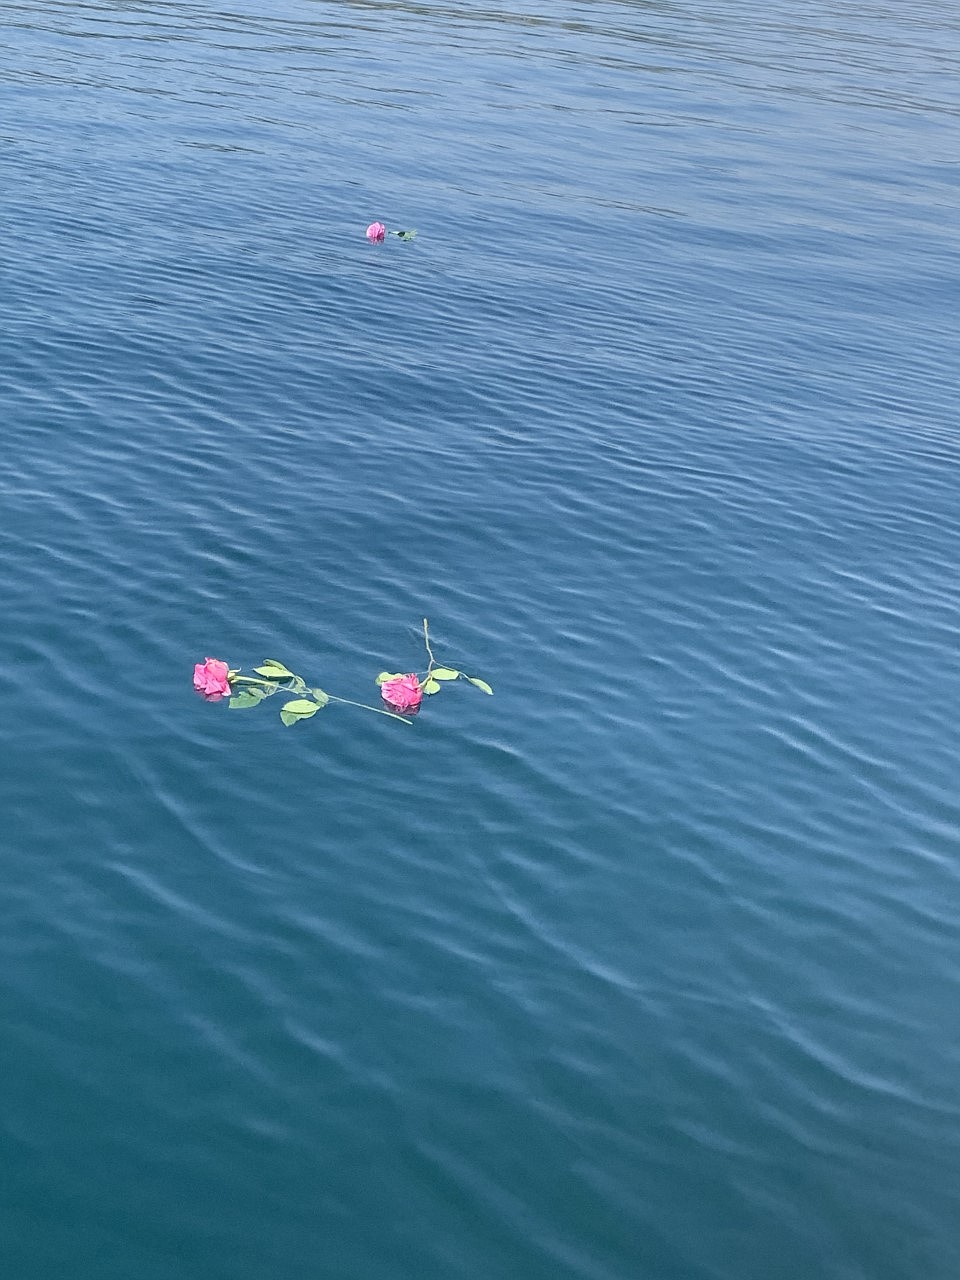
pixel 212 678
pixel 377 233
pixel 403 692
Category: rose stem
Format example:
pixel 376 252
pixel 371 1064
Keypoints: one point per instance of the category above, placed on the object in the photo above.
pixel 366 707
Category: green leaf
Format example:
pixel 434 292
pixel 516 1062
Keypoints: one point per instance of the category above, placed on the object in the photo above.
pixel 444 673
pixel 384 676
pixel 406 235
pixel 431 686
pixel 273 670
pixel 481 684
pixel 246 698
pixel 299 709
pixel 321 696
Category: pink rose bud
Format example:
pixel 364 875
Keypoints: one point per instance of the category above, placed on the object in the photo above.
pixel 376 232
pixel 210 679
pixel 403 693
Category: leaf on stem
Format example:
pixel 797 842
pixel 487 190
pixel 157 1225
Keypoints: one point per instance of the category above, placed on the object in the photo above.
pixel 481 684
pixel 298 709
pixel 384 676
pixel 246 698
pixel 273 670
pixel 444 673
pixel 321 696
pixel 431 686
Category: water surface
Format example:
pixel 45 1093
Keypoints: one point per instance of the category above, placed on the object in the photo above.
pixel 647 967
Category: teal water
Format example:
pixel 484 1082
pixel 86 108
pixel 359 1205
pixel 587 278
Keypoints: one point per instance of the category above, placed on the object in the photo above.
pixel 647 968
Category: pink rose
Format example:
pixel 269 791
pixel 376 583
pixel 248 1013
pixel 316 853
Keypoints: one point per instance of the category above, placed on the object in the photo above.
pixel 210 678
pixel 403 692
pixel 376 232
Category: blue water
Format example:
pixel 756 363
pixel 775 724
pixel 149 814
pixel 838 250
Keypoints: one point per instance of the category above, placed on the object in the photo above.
pixel 646 968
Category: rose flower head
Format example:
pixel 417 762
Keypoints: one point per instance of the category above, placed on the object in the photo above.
pixel 210 679
pixel 402 692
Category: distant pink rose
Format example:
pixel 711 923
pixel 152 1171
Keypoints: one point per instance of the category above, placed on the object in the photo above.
pixel 210 679
pixel 376 232
pixel 403 692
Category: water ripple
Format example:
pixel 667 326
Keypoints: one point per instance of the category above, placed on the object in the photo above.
pixel 644 967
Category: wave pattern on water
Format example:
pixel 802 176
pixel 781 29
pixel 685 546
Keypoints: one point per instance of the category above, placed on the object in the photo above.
pixel 646 967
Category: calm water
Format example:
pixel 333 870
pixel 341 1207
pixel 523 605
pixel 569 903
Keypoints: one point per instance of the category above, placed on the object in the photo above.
pixel 649 967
